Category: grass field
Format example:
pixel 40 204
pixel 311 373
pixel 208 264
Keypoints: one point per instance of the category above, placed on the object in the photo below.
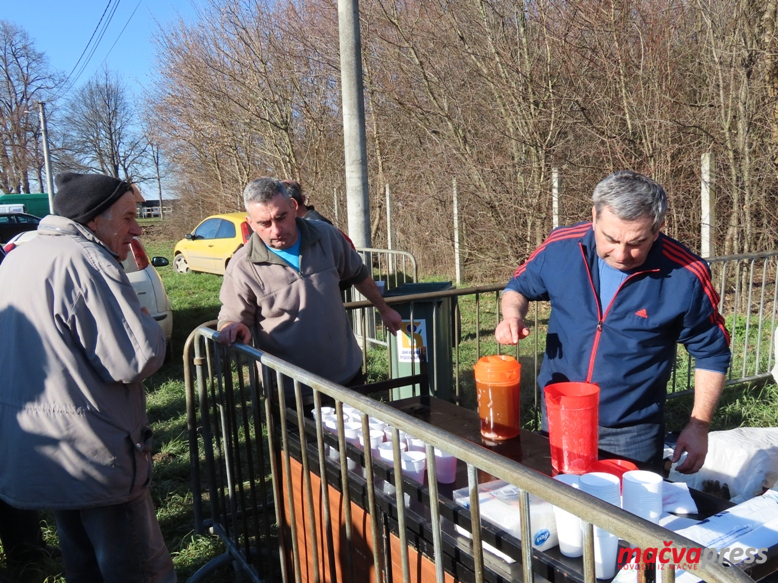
pixel 195 301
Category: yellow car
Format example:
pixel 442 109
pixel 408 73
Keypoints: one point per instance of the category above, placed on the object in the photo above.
pixel 212 244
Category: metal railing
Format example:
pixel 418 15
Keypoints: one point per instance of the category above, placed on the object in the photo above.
pixel 748 300
pixel 275 485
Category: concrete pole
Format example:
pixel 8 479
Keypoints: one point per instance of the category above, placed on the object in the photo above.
pixel 457 256
pixel 47 157
pixel 556 187
pixel 357 194
pixel 707 204
pixel 389 241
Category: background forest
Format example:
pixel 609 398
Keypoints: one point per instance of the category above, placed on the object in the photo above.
pixel 487 95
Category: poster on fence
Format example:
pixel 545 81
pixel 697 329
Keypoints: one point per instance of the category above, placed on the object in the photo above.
pixel 411 339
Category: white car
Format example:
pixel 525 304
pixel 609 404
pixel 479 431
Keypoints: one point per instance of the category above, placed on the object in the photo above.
pixel 144 279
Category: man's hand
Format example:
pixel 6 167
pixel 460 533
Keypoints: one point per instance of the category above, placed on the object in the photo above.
pixel 694 441
pixel 510 331
pixel 234 332
pixel 392 320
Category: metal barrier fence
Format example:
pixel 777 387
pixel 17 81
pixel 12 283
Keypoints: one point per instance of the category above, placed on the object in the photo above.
pixel 294 501
pixel 391 266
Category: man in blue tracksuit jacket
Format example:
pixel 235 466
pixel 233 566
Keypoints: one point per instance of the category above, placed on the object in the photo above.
pixel 622 296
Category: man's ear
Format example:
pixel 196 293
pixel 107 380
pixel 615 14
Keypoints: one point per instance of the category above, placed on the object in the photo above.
pixel 661 226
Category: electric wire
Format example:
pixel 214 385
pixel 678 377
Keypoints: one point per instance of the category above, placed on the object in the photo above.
pixel 89 50
pixel 121 32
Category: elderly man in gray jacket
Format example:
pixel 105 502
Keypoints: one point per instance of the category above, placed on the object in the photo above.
pixel 283 287
pixel 74 435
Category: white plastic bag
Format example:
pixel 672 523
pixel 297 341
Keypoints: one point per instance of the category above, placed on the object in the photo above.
pixel 745 459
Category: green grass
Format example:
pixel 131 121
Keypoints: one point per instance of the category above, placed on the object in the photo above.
pixel 195 301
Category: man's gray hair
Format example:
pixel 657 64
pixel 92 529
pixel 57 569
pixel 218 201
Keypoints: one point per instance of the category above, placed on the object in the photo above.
pixel 631 196
pixel 262 191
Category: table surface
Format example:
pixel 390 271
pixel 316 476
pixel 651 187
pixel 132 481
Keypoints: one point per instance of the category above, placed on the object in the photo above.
pixel 529 448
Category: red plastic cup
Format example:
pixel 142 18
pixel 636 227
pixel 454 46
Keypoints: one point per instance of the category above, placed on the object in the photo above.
pixel 572 413
pixel 497 386
pixel 613 466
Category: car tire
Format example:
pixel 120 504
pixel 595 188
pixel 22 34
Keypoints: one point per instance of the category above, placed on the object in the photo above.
pixel 180 264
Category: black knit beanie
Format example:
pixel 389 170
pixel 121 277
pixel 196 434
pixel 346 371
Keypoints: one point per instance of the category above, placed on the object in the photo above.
pixel 81 197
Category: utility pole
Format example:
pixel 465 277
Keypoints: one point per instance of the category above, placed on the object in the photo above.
pixel 457 255
pixel 556 188
pixel 47 157
pixel 354 141
pixel 707 203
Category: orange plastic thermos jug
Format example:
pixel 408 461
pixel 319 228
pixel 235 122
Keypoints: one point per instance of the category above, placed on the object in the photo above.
pixel 572 415
pixel 497 386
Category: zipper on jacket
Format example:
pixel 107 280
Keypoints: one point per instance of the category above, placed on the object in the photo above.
pixel 600 315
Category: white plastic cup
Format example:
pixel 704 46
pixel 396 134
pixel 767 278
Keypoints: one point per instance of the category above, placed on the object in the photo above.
pixel 445 467
pixel 568 526
pixel 376 439
pixel 352 430
pixel 606 548
pixel 325 411
pixel 386 451
pixel 642 494
pixel 388 433
pixel 331 424
pixel 377 424
pixel 416 444
pixel 606 487
pixel 413 464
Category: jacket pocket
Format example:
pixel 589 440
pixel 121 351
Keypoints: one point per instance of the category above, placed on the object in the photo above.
pixel 140 443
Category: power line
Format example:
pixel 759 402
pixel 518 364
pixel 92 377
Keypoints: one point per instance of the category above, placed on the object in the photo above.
pixel 122 31
pixel 100 30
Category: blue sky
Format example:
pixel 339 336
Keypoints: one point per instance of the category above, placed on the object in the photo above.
pixel 62 28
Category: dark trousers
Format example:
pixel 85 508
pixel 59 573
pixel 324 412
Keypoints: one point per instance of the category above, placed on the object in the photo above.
pixel 114 544
pixel 20 533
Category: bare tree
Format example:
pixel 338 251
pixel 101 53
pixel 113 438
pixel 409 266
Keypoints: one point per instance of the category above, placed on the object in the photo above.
pixel 103 132
pixel 25 79
pixel 493 93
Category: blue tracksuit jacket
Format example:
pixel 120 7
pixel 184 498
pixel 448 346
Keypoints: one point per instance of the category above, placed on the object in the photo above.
pixel 626 347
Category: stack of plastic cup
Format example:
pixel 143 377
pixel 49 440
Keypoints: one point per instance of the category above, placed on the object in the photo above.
pixel 414 463
pixel 643 494
pixel 568 526
pixel 606 487
pixel 613 466
pixel 445 467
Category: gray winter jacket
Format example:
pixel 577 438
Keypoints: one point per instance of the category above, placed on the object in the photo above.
pixel 297 315
pixel 73 425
